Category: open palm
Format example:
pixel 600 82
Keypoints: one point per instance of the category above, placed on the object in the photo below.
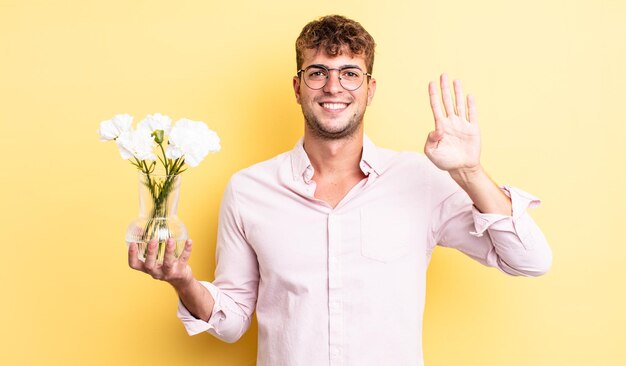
pixel 455 142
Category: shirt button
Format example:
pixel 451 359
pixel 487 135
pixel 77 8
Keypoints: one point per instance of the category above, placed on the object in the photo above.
pixel 334 351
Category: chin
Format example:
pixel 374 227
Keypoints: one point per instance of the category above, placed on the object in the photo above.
pixel 323 131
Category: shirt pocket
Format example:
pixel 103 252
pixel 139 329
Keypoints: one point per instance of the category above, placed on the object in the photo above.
pixel 385 234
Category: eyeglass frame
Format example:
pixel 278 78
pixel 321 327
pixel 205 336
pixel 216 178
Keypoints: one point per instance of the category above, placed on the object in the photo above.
pixel 339 69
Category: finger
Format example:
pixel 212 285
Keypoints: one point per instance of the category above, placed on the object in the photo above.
pixel 471 106
pixel 184 256
pixel 459 99
pixel 445 94
pixel 151 255
pixel 133 260
pixel 435 105
pixel 168 259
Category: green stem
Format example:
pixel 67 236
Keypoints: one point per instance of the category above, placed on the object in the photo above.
pixel 165 158
pixel 177 165
pixel 159 192
pixel 150 185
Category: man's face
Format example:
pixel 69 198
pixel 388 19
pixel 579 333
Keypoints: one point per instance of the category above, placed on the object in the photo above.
pixel 333 112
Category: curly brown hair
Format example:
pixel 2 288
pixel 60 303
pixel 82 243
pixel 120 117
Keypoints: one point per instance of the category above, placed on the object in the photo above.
pixel 332 33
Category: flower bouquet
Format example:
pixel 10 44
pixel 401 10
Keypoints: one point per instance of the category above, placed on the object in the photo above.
pixel 187 143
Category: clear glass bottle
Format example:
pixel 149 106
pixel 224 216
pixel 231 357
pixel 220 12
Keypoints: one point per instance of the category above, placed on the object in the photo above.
pixel 158 205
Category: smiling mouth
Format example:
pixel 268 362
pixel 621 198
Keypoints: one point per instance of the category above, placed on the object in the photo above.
pixel 334 106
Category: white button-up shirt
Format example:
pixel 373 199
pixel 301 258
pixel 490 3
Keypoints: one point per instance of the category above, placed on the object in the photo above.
pixel 346 285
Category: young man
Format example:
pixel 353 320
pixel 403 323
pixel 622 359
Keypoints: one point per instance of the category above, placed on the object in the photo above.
pixel 330 242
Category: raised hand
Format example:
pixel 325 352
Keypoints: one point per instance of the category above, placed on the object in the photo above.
pixel 454 145
pixel 177 272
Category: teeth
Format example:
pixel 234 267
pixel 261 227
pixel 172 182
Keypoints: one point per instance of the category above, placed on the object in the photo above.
pixel 334 105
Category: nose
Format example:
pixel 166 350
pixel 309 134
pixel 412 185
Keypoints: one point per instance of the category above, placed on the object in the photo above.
pixel 333 85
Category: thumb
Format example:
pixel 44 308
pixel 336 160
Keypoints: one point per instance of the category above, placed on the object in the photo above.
pixel 432 141
pixel 435 136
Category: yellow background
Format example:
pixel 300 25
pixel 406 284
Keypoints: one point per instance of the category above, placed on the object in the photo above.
pixel 550 84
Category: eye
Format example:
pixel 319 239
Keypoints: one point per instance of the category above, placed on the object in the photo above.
pixel 316 73
pixel 350 74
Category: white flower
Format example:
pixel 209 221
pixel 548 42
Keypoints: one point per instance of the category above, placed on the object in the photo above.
pixel 136 144
pixel 154 122
pixel 193 140
pixel 111 129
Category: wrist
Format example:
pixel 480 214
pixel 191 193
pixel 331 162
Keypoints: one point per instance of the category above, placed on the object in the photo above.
pixel 183 285
pixel 466 175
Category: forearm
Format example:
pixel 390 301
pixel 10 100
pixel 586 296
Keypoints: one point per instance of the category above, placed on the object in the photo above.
pixel 483 192
pixel 196 298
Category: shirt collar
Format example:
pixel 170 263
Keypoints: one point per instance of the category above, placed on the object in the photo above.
pixel 301 167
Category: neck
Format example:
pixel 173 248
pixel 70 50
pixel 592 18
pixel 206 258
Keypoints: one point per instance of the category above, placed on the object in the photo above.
pixel 334 157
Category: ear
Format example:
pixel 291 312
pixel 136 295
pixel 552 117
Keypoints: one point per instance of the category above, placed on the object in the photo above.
pixel 371 89
pixel 296 88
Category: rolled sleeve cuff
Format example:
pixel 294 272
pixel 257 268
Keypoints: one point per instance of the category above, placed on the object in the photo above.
pixel 520 202
pixel 194 325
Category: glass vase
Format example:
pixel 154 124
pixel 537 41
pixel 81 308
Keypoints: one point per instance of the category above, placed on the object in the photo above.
pixel 158 204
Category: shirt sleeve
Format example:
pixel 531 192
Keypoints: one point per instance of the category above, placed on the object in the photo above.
pixel 236 279
pixel 514 244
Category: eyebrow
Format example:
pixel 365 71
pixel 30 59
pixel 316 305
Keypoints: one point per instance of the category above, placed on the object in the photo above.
pixel 340 67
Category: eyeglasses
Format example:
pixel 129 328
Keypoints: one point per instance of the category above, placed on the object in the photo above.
pixel 350 77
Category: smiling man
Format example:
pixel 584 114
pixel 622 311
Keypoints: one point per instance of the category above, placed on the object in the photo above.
pixel 330 242
pixel 337 111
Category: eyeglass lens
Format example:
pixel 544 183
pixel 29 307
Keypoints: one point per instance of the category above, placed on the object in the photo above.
pixel 316 77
